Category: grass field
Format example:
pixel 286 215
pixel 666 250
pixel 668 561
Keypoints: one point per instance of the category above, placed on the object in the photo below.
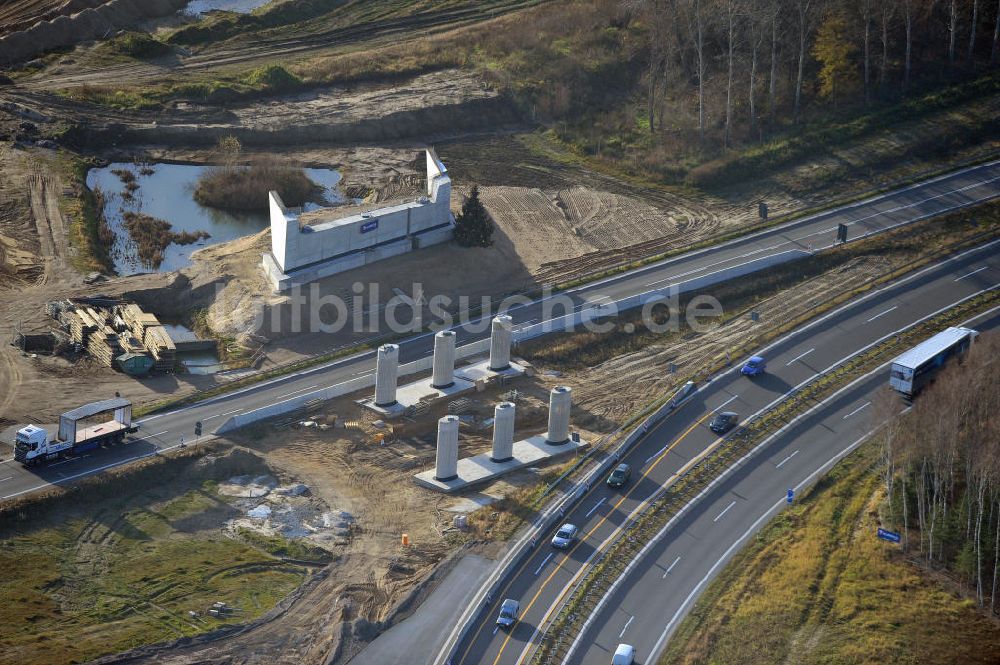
pixel 817 586
pixel 81 579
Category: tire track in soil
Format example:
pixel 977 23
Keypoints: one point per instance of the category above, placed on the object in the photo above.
pixel 271 47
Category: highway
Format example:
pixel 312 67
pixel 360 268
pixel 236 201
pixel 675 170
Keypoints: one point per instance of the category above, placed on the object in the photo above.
pixel 648 605
pixel 168 430
pixel 543 578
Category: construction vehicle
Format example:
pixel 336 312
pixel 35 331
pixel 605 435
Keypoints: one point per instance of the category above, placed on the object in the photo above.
pixel 34 445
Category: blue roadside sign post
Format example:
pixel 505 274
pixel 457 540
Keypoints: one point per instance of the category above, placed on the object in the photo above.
pixel 891 536
pixel 790 496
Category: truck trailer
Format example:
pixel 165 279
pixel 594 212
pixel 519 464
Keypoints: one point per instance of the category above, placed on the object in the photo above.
pixel 917 367
pixel 33 445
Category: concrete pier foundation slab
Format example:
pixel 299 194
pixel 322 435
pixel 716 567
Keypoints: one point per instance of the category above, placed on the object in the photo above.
pixel 412 394
pixel 481 469
pixel 481 371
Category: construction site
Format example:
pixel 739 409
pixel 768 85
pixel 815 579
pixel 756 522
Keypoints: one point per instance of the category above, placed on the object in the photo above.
pixel 319 527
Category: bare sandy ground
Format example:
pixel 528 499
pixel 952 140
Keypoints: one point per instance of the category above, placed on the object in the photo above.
pixel 349 470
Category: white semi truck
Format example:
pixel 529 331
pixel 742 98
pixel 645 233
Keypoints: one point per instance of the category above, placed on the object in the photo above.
pixel 33 445
pixel 916 368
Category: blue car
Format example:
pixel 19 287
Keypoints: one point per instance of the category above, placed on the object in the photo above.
pixel 754 367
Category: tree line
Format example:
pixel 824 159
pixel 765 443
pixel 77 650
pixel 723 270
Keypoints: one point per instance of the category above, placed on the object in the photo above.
pixel 748 64
pixel 941 470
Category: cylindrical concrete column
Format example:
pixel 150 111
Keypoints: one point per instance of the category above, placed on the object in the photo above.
pixel 444 359
pixel 500 343
pixel 503 432
pixel 447 449
pixel 386 368
pixel 560 402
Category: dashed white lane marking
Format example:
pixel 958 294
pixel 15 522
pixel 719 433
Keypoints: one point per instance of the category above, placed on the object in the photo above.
pixel 545 561
pixel 295 392
pixel 671 567
pixel 627 624
pixel 724 511
pixel 970 274
pixel 883 313
pixel 779 464
pixel 596 506
pixel 227 413
pixel 799 357
pixel 7 478
pixel 725 403
pixel 857 410
pixel 159 433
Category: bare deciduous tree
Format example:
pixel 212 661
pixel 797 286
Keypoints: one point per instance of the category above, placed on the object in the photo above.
pixel 803 8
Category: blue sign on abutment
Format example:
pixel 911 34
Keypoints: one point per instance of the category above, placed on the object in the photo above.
pixel 369 226
pixel 891 536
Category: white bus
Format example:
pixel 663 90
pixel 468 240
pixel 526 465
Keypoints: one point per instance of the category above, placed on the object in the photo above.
pixel 916 368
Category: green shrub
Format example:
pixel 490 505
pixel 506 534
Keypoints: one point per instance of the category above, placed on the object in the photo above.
pixel 138 45
pixel 272 77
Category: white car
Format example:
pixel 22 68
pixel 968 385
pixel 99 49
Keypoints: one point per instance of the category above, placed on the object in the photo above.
pixel 564 536
pixel 624 655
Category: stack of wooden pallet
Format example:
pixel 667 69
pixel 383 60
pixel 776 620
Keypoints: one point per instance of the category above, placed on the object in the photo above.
pixel 162 348
pixel 81 325
pixel 137 320
pixel 103 345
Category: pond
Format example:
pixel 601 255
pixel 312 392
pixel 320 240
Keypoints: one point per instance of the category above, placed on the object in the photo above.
pixel 166 191
pixel 202 7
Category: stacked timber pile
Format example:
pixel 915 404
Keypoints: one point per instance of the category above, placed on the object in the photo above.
pixel 110 330
pixel 159 344
pixel 137 320
pixel 81 325
pixel 103 345
pixel 145 328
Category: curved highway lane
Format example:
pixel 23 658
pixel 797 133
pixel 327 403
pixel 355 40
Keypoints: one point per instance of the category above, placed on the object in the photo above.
pixel 543 579
pixel 168 430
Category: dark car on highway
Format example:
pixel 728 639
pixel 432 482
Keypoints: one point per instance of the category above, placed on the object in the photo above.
pixel 723 422
pixel 620 475
pixel 508 613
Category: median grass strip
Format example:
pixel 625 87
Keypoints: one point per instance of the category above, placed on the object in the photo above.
pixel 594 584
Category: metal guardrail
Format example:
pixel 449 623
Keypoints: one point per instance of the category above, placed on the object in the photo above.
pixel 667 501
pixel 557 508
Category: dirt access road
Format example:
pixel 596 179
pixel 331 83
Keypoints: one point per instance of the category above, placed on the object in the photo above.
pixel 269 47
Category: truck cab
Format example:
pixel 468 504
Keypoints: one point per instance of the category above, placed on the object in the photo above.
pixel 31 444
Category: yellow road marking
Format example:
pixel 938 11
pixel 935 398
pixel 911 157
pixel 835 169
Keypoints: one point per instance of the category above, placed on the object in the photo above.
pixel 600 522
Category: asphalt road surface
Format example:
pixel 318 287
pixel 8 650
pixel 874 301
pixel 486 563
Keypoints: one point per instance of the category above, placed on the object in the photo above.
pixel 543 577
pixel 168 430
pixel 651 601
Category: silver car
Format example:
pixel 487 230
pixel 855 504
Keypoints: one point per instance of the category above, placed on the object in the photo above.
pixel 564 536
pixel 508 613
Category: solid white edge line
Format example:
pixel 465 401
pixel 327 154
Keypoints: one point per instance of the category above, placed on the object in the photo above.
pixel 725 472
pixel 538 629
pixel 660 643
pixel 473 607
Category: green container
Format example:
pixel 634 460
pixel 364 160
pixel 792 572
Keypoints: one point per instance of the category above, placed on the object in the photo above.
pixel 134 364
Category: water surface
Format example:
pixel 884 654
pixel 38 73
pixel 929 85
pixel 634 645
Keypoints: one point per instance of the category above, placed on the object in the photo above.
pixel 202 7
pixel 168 194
